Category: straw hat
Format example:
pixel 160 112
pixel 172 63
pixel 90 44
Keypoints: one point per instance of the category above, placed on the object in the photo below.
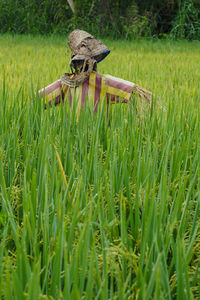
pixel 84 46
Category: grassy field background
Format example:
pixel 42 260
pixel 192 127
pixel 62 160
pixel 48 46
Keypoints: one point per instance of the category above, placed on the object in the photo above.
pixel 91 210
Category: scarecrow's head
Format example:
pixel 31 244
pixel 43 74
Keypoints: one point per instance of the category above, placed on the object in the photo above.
pixel 86 51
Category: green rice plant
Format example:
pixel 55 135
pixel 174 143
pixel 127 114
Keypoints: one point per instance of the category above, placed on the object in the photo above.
pixel 99 207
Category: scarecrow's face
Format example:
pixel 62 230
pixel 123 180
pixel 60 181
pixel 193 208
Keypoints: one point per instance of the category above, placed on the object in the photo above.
pixel 77 65
pixel 83 66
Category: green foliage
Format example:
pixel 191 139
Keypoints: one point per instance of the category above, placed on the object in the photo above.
pixel 134 24
pixel 187 23
pixel 126 226
pixel 33 17
pixel 116 19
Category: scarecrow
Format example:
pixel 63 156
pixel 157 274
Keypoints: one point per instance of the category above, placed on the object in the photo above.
pixel 85 84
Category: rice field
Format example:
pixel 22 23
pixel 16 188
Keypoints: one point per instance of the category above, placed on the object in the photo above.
pixel 97 207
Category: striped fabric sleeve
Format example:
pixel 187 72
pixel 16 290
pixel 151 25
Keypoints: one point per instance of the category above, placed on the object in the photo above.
pixel 108 88
pixel 118 88
pixel 52 93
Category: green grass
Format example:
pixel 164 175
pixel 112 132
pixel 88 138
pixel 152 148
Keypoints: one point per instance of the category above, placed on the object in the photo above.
pixel 127 224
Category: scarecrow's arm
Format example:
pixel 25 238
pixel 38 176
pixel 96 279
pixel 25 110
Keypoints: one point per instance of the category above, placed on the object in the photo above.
pixel 53 93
